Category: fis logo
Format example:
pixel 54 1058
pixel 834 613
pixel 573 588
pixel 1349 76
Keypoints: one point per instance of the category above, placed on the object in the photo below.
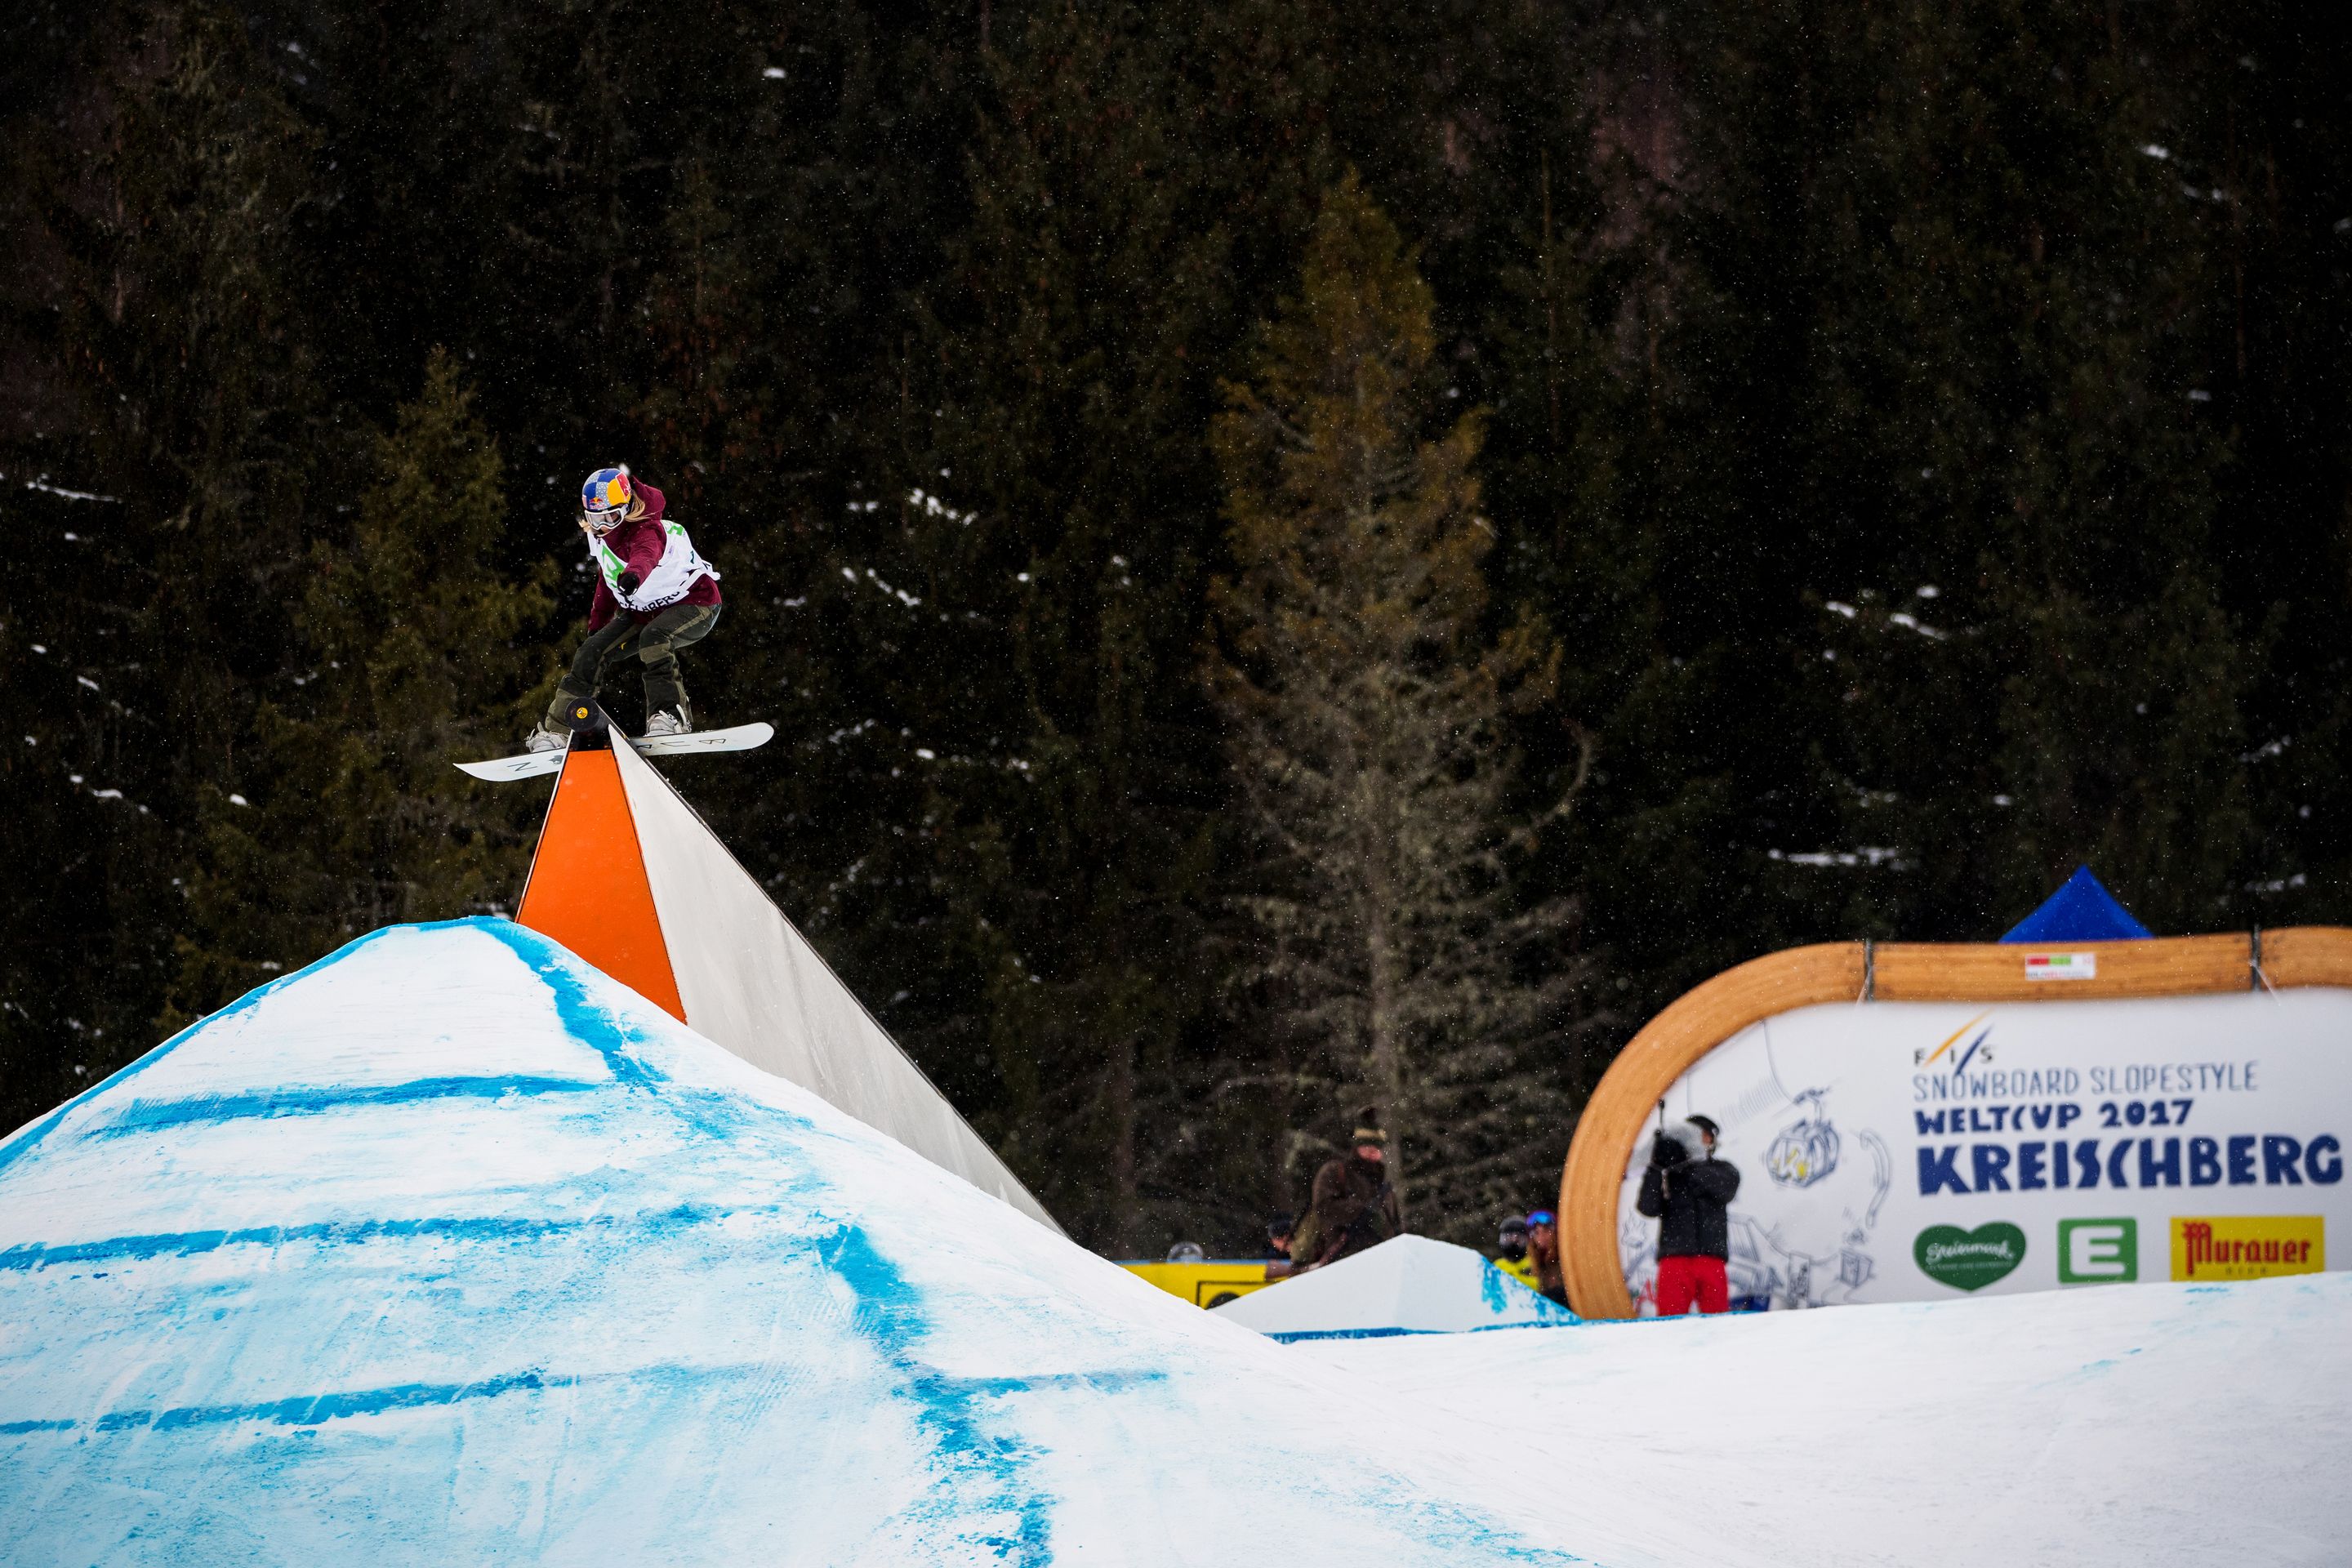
pixel 1951 1056
pixel 2249 1246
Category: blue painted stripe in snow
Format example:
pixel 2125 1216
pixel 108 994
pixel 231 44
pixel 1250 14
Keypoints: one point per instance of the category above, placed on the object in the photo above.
pixel 1293 1335
pixel 1490 1289
pixel 150 1115
pixel 591 1025
pixel 27 1138
pixel 987 1470
pixel 1111 1381
pixel 1499 1292
pixel 316 1410
pixel 486 1227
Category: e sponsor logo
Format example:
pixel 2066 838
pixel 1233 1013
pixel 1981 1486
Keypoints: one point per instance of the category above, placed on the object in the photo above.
pixel 2248 1247
pixel 1969 1259
pixel 2098 1251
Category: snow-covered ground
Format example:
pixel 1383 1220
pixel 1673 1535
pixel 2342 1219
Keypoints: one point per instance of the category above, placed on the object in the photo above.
pixel 450 1250
pixel 2137 1424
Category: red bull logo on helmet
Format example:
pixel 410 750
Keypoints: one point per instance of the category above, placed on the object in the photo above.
pixel 606 496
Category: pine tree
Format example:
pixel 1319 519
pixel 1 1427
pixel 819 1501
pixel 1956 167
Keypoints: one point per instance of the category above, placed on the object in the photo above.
pixel 419 654
pixel 1366 713
pixel 164 429
pixel 2248 109
pixel 1027 784
pixel 1998 437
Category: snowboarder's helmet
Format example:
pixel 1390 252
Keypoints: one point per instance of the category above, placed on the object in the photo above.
pixel 606 499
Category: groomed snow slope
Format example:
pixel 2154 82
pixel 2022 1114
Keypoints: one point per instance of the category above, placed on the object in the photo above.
pixel 450 1250
pixel 2124 1424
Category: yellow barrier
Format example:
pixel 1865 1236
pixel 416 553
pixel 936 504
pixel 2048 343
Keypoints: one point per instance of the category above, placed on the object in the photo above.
pixel 1205 1284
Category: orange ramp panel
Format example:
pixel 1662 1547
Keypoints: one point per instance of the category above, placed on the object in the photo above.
pixel 588 887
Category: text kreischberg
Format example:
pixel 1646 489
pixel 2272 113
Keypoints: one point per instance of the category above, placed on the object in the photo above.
pixel 2041 1141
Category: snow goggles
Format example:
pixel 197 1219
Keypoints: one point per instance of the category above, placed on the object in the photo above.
pixel 1541 1216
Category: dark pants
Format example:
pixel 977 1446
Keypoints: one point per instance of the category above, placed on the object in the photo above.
pixel 606 652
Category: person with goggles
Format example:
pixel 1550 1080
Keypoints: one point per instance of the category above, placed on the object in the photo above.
pixel 653 595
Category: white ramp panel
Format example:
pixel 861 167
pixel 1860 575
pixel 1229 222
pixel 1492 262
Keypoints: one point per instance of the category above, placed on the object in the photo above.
pixel 751 982
pixel 1406 1285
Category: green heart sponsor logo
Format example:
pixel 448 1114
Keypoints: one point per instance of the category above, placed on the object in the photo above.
pixel 1969 1259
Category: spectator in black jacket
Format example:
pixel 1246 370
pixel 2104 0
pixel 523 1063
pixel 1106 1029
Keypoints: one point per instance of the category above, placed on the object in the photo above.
pixel 1688 1192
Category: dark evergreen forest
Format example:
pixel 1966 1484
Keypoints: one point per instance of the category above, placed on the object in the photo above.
pixel 1907 445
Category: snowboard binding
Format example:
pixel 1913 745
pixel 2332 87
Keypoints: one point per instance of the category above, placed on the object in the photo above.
pixel 591 726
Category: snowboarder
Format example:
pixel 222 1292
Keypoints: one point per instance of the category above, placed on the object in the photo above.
pixel 1353 1206
pixel 1688 1192
pixel 654 596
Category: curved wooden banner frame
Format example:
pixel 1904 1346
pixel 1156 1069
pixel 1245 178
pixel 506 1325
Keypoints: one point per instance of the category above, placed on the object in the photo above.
pixel 1712 1013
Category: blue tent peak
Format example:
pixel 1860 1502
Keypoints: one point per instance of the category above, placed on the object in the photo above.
pixel 2081 910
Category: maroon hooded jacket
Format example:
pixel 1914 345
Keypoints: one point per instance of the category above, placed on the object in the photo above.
pixel 639 542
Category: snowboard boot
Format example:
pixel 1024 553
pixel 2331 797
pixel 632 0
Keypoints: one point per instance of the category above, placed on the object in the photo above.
pixel 669 721
pixel 543 738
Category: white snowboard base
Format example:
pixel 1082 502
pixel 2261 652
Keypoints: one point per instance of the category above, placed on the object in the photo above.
pixel 535 765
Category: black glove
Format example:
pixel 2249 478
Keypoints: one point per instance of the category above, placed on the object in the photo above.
pixel 1667 1151
pixel 629 580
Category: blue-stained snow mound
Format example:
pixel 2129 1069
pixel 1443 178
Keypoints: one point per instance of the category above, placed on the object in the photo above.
pixel 449 1249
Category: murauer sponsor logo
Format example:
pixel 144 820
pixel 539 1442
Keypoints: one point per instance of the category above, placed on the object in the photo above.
pixel 2248 1247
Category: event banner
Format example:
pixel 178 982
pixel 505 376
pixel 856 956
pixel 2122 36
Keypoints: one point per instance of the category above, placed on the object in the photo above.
pixel 1912 1151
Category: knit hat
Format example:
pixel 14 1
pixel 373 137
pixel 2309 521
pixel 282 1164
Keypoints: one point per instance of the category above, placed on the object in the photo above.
pixel 1706 1125
pixel 1368 1127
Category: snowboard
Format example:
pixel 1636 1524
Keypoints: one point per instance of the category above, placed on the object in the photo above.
pixel 537 764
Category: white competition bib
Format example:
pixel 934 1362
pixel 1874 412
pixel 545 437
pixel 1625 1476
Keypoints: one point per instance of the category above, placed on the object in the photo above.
pixel 679 569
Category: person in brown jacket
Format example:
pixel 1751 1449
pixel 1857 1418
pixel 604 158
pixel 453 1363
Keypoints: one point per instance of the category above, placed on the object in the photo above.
pixel 1353 1206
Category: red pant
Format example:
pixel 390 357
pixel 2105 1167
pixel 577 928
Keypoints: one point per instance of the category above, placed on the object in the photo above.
pixel 1681 1281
